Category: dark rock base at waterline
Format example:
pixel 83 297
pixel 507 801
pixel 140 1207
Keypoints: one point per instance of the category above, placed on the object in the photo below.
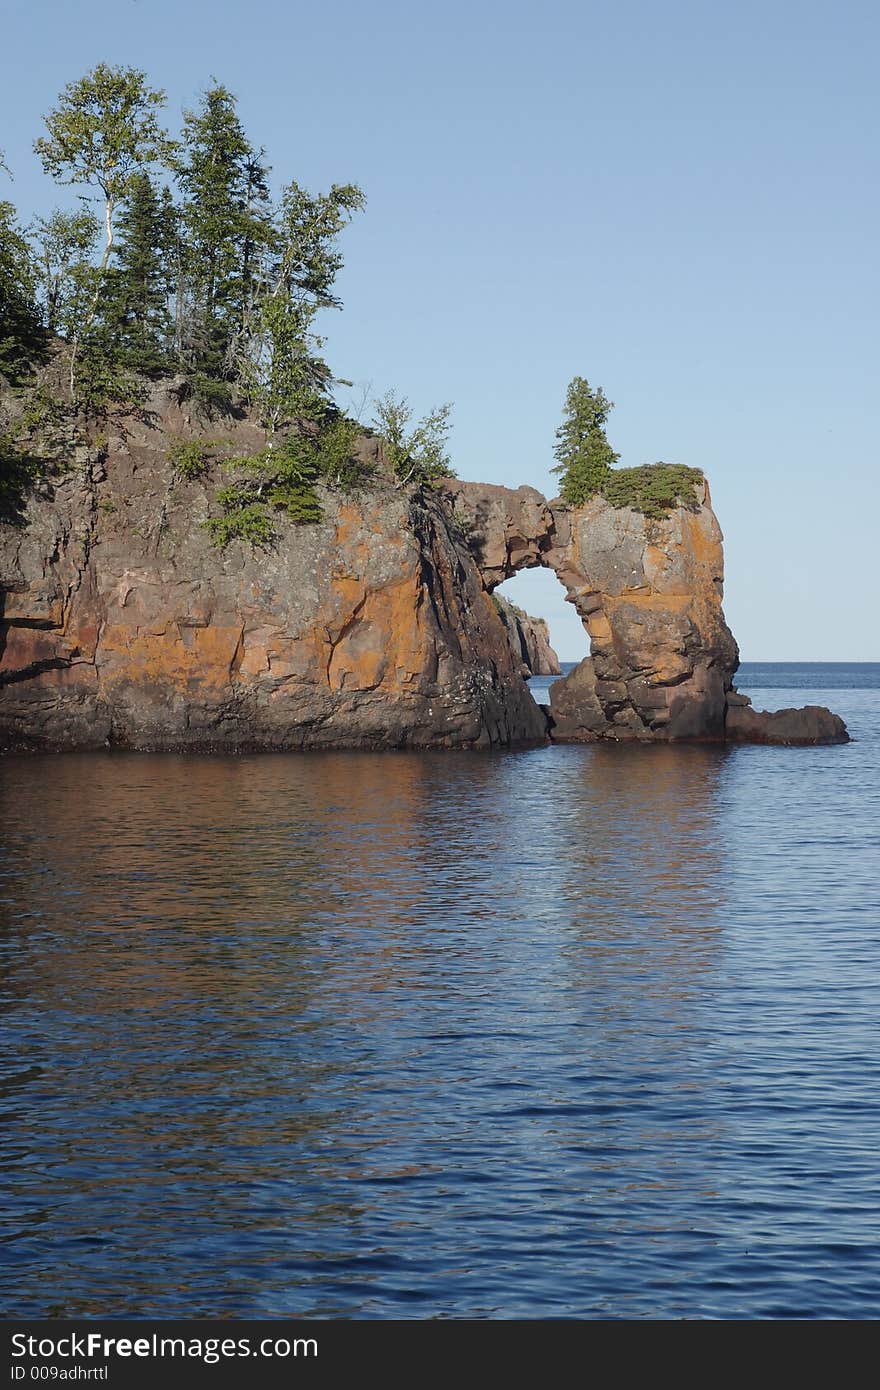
pixel 793 727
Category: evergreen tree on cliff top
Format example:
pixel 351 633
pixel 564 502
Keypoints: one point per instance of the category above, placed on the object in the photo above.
pixel 582 448
pixel 136 322
pixel 21 335
pixel 227 230
pixel 279 357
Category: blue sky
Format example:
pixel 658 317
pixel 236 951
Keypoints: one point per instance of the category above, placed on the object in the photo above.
pixel 679 202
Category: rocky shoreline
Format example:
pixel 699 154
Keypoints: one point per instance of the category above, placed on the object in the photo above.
pixel 376 627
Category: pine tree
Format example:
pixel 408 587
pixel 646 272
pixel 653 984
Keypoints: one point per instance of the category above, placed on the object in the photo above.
pixel 280 368
pixel 222 284
pixel 584 454
pixel 257 236
pixel 227 228
pixel 21 335
pixel 136 324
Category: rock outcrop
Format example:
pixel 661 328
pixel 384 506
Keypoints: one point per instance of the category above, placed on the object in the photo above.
pixel 530 639
pixel 791 727
pixel 120 624
pixel 662 658
pixel 648 592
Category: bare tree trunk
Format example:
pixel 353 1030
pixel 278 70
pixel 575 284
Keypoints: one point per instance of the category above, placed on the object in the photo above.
pixel 108 225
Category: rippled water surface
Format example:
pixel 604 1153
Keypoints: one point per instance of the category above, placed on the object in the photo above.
pixel 570 1031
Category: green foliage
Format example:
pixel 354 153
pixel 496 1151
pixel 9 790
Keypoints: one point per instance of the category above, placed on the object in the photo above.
pixel 102 135
pixel 103 132
pixel 221 286
pixel 298 503
pixel 292 470
pixel 41 409
pixel 71 283
pixel 281 479
pixel 31 448
pixel 653 489
pixel 337 459
pixel 21 334
pixel 277 351
pixel 417 453
pixel 66 242
pixel 308 226
pixel 103 382
pixel 227 228
pixel 135 324
pixel 240 521
pixel 584 455
pixel 19 470
pixel 282 378
pixel 190 458
pixel 211 395
pixel 586 459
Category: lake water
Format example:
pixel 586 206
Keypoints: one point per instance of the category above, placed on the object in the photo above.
pixel 572 1031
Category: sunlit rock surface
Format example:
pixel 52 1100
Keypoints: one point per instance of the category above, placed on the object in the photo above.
pixel 530 640
pixel 376 627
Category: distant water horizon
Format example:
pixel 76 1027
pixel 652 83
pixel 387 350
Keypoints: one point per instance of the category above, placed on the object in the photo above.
pixel 859 668
pixel 570 1031
pixel 570 664
pixel 747 662
pixel 769 675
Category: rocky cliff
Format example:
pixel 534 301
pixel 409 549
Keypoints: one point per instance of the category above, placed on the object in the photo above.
pixel 530 639
pixel 376 627
pixel 649 593
pixel 123 625
pixel 662 658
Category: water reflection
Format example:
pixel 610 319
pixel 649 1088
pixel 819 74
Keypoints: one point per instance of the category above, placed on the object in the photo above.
pixel 368 1034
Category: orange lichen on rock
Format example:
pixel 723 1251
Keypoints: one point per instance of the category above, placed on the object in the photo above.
pixel 373 627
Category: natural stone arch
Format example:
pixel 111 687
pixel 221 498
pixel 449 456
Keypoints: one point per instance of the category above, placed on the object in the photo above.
pixel 648 592
pixel 373 627
pixel 552 632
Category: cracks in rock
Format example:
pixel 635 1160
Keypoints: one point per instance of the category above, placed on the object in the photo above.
pixel 36 668
pixel 346 627
pixel 430 567
pixel 237 656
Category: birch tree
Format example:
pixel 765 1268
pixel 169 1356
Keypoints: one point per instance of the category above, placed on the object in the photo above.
pixel 103 132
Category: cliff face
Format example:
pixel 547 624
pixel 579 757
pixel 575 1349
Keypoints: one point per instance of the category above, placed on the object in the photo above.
pixel 662 658
pixel 530 639
pixel 120 624
pixel 649 593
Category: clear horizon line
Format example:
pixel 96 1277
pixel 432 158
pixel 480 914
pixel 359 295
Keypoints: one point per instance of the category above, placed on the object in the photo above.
pixel 783 661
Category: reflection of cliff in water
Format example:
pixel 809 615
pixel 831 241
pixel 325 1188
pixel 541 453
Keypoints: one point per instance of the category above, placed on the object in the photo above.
pixel 627 924
pixel 272 1006
pixel 626 886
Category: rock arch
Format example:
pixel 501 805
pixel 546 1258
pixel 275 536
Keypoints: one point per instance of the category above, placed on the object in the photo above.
pixel 121 624
pixel 648 592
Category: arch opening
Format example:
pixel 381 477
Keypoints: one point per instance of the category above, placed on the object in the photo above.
pixel 540 594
